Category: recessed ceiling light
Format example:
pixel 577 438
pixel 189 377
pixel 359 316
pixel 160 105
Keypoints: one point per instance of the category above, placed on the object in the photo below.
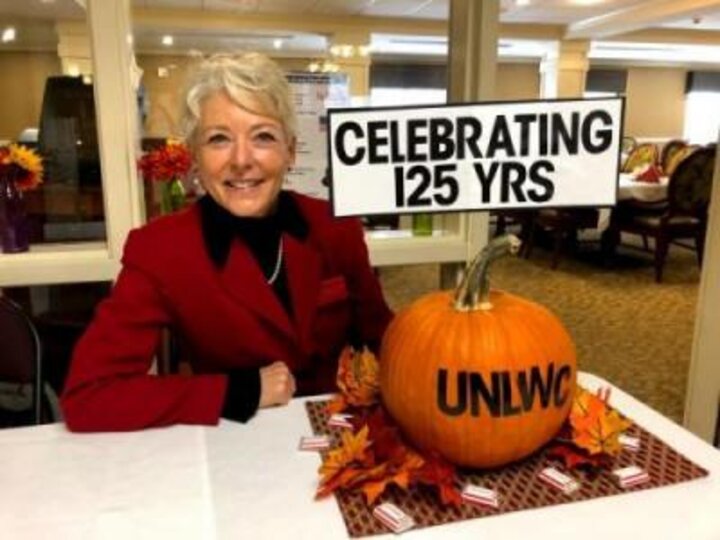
pixel 278 43
pixel 8 34
pixel 168 40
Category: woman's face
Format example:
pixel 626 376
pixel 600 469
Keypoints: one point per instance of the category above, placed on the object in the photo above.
pixel 242 157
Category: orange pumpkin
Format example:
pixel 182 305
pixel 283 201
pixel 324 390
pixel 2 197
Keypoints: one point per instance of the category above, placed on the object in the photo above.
pixel 482 377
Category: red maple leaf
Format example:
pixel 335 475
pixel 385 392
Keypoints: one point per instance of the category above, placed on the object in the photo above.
pixel 574 457
pixel 441 474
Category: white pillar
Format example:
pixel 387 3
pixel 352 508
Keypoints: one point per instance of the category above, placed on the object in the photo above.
pixel 472 67
pixel 703 392
pixel 564 69
pixel 349 47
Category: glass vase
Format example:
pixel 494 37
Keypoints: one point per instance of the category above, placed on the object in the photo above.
pixel 14 230
pixel 422 224
pixel 172 196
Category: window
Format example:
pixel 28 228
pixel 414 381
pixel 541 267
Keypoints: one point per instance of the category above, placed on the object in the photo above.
pixel 605 83
pixel 407 84
pixel 702 107
pixel 49 107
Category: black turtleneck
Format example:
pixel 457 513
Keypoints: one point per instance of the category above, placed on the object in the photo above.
pixel 262 237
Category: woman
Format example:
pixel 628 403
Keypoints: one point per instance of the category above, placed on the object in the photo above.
pixel 263 286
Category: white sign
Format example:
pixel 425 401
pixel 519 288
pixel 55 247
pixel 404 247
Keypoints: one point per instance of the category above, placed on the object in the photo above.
pixel 475 157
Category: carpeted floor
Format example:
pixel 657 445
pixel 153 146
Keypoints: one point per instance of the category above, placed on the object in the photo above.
pixel 627 329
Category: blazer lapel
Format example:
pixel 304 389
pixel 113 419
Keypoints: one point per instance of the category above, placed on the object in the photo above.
pixel 303 270
pixel 243 279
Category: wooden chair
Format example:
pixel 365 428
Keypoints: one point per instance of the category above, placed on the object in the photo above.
pixel 642 154
pixel 564 224
pixel 682 216
pixel 506 218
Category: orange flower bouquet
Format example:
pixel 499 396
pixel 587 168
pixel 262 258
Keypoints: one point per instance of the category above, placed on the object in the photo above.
pixel 21 166
pixel 21 170
pixel 168 164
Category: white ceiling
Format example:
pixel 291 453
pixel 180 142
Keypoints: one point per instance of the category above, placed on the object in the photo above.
pixel 589 17
pixel 512 11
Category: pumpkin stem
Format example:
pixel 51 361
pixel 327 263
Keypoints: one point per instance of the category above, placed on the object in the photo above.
pixel 474 290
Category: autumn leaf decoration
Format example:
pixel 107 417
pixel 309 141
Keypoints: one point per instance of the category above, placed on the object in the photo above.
pixel 357 379
pixel 374 457
pixel 591 435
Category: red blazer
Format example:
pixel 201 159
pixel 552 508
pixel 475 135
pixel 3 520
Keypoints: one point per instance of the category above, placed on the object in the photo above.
pixel 228 318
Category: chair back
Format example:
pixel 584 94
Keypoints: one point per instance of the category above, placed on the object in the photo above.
pixel 628 144
pixel 20 361
pixel 642 154
pixel 676 157
pixel 668 151
pixel 691 183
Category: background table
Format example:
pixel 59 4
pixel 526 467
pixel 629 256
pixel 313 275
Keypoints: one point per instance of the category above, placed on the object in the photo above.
pixel 629 188
pixel 250 481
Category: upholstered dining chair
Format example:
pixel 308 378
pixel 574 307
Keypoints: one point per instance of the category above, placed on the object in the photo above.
pixel 674 159
pixel 682 216
pixel 642 154
pixel 20 367
pixel 628 144
pixel 668 153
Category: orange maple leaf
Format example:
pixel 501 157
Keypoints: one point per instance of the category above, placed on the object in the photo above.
pixel 441 474
pixel 336 405
pixel 352 449
pixel 372 490
pixel 595 426
pixel 343 478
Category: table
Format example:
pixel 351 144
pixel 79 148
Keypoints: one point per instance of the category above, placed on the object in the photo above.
pixel 629 188
pixel 250 481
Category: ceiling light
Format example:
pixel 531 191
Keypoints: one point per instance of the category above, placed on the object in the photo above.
pixel 521 3
pixel 168 40
pixel 277 43
pixel 8 34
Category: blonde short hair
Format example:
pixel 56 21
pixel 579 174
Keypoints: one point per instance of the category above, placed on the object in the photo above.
pixel 252 80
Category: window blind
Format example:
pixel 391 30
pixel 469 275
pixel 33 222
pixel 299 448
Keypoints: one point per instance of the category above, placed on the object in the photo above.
pixel 606 80
pixel 408 75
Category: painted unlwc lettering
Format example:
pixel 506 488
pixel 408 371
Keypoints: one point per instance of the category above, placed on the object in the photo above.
pixel 503 393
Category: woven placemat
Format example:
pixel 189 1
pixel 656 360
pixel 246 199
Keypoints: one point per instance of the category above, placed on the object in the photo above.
pixel 517 485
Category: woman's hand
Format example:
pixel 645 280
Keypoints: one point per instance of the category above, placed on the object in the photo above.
pixel 277 385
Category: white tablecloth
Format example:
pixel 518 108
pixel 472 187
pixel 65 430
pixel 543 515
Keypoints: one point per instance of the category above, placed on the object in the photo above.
pixel 629 188
pixel 250 481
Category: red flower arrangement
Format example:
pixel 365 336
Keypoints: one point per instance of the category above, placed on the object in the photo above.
pixel 22 166
pixel 166 163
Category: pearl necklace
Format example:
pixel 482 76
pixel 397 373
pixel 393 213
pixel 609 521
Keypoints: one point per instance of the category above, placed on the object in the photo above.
pixel 278 263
